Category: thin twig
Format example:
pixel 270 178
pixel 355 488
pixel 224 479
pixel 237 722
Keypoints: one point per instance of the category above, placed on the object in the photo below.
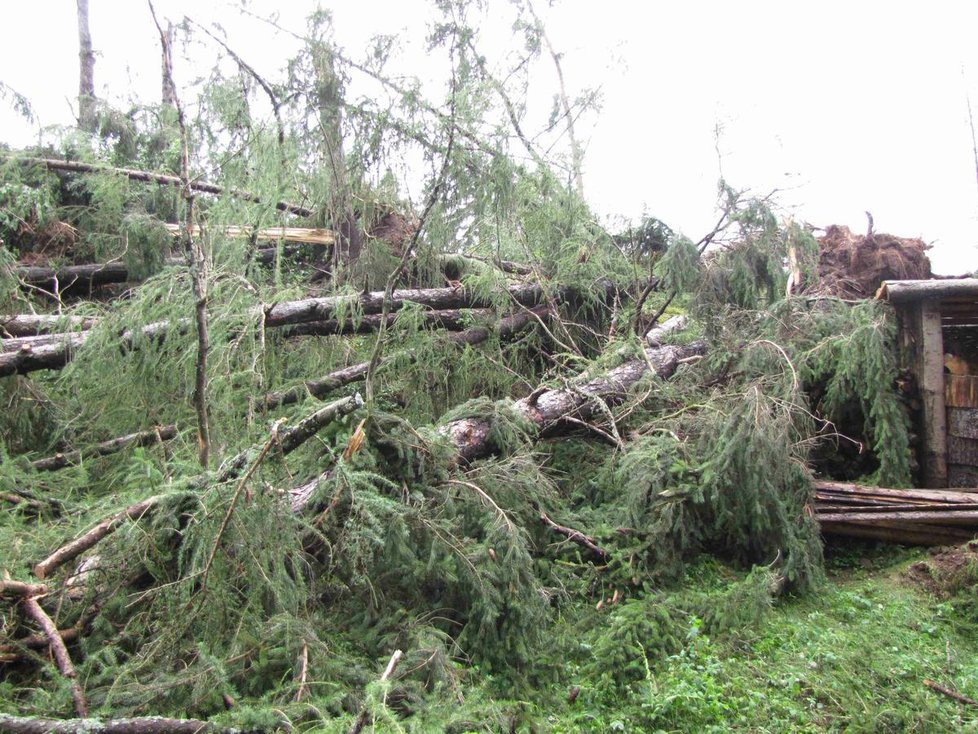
pixel 575 536
pixel 949 693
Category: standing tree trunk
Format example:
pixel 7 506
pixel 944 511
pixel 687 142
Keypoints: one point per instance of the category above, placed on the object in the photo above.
pixel 86 76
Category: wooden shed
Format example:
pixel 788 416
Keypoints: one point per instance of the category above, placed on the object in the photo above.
pixel 939 345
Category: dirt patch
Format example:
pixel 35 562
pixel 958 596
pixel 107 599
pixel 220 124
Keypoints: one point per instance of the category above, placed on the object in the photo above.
pixel 947 570
pixel 853 266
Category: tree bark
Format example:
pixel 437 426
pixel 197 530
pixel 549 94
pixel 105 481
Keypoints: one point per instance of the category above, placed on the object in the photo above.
pixel 450 319
pixel 58 649
pixel 164 179
pixel 908 291
pixel 140 725
pixel 87 120
pixel 70 458
pixel 56 356
pixel 507 328
pixel 35 324
pixel 547 408
pixel 908 516
pixel 83 278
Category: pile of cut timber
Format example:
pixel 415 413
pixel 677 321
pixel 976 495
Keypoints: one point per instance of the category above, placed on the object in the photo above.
pixel 909 516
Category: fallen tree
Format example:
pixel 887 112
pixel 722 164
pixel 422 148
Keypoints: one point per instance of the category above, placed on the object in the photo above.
pixel 288 313
pixel 81 279
pixel 163 179
pixel 137 725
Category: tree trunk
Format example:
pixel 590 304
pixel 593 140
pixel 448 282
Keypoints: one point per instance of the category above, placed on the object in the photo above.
pixel 550 409
pixel 87 120
pixel 143 725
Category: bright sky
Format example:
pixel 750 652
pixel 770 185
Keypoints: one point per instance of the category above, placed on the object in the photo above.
pixel 842 106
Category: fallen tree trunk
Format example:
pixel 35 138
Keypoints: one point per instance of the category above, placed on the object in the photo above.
pixel 74 278
pixel 139 725
pixel 56 354
pixel 549 409
pixel 26 325
pixel 506 329
pixel 331 307
pixel 296 235
pixel 287 313
pixel 142 438
pixel 53 164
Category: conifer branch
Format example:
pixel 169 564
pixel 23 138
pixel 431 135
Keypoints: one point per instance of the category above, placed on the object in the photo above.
pixel 62 659
pixel 87 540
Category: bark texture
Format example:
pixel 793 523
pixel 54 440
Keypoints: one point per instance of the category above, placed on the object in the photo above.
pixel 546 408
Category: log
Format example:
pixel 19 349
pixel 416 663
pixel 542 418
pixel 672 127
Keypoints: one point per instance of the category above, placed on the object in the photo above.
pixel 56 356
pixel 138 725
pixel 506 329
pixel 330 307
pixel 45 357
pixel 70 458
pixel 908 516
pixel 908 291
pixel 74 278
pixel 163 179
pixel 547 409
pixel 26 325
pixel 296 235
pixel 450 319
pixel 33 608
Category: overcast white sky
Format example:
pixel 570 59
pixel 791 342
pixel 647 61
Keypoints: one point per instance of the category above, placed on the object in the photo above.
pixel 843 106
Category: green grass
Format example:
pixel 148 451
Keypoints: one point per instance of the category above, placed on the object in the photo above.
pixel 850 657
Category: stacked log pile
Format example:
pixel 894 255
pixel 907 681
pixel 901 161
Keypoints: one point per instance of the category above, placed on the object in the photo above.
pixel 908 516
